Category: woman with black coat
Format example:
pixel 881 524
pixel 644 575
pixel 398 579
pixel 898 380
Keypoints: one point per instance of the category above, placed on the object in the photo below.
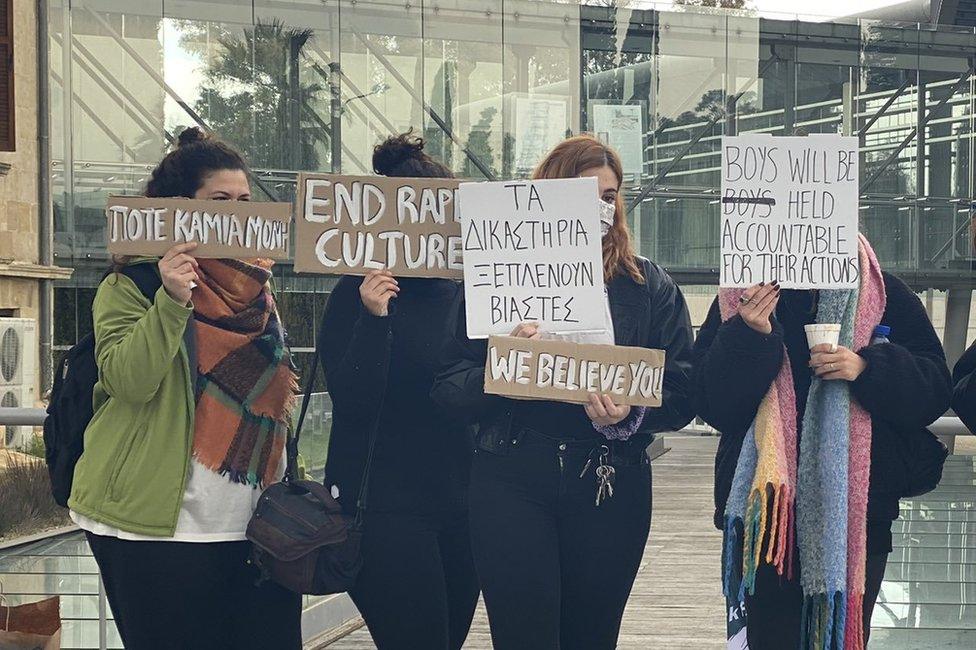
pixel 379 343
pixel 964 395
pixel 556 562
pixel 903 385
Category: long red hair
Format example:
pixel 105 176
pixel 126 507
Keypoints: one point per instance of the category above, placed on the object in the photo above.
pixel 569 159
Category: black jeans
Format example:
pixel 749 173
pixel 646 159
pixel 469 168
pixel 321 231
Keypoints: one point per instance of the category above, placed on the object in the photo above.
pixel 775 611
pixel 556 569
pixel 418 587
pixel 183 595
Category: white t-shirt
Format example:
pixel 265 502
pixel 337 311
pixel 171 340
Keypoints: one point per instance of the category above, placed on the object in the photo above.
pixel 214 509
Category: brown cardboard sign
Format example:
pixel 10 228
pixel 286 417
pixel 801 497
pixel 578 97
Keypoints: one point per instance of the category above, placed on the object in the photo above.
pixel 568 372
pixel 348 225
pixel 138 225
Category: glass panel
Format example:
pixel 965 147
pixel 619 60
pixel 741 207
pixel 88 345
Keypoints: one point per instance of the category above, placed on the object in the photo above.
pixel 541 71
pixel 463 86
pixel 382 65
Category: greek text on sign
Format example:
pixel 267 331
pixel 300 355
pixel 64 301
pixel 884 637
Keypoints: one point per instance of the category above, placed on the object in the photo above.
pixel 139 225
pixel 348 225
pixel 569 372
pixel 790 211
pixel 532 252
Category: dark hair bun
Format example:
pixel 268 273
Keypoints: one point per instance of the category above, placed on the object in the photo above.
pixel 190 135
pixel 389 155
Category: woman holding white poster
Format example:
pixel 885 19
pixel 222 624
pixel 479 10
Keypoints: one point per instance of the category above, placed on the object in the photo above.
pixel 194 394
pixel 822 398
pixel 378 343
pixel 560 494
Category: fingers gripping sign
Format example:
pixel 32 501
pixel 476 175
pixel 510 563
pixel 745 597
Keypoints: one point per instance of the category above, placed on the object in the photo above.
pixel 179 272
pixel 603 412
pixel 377 290
pixel 758 304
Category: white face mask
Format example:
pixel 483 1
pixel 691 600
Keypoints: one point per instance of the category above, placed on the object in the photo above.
pixel 607 210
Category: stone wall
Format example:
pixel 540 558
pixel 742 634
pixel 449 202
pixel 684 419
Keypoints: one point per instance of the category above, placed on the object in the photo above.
pixel 19 291
pixel 18 187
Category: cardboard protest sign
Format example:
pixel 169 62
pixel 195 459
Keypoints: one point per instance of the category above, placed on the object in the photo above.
pixel 532 252
pixel 568 372
pixel 790 211
pixel 138 225
pixel 349 225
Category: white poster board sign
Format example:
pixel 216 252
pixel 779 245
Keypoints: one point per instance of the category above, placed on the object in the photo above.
pixel 621 126
pixel 532 252
pixel 789 211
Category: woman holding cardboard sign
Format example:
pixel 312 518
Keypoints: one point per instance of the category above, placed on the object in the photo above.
pixel 561 493
pixel 378 343
pixel 822 398
pixel 194 390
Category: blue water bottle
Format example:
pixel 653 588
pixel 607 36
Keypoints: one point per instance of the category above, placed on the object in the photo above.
pixel 880 335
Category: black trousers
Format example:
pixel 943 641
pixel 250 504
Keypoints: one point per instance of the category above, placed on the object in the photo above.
pixel 556 569
pixel 184 595
pixel 418 587
pixel 774 612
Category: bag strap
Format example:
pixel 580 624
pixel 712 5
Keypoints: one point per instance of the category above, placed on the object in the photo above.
pixel 291 443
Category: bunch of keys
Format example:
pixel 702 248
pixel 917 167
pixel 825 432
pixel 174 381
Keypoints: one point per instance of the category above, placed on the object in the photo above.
pixel 604 475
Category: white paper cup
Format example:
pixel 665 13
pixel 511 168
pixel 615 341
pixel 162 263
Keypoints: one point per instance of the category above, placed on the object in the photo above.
pixel 820 333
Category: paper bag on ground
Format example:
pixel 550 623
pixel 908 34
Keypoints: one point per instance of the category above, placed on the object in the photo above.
pixel 567 372
pixel 348 225
pixel 138 225
pixel 34 626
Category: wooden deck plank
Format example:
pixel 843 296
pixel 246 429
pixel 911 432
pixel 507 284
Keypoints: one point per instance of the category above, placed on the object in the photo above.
pixel 677 599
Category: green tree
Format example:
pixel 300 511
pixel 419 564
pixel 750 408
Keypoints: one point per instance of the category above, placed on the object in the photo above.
pixel 258 95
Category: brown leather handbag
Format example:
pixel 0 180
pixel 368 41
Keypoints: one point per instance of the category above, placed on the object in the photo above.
pixel 300 536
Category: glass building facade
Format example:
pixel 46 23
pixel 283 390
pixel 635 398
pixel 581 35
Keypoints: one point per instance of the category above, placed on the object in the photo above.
pixel 492 84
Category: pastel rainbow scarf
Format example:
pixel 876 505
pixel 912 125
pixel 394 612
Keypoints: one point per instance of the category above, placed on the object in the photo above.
pixel 818 506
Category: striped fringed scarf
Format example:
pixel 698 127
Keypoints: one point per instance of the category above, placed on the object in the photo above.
pixel 245 384
pixel 828 492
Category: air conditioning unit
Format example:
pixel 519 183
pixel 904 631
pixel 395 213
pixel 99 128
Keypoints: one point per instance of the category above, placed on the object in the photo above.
pixel 18 367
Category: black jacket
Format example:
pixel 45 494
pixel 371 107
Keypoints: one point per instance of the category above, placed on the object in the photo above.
pixel 964 395
pixel 905 388
pixel 379 371
pixel 651 315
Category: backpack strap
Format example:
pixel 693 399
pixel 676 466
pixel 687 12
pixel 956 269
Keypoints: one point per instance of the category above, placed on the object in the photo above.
pixel 146 277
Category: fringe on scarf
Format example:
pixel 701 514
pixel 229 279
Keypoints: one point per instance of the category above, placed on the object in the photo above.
pixel 825 621
pixel 768 524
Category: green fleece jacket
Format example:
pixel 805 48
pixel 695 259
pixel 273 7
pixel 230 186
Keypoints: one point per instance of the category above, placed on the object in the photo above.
pixel 133 471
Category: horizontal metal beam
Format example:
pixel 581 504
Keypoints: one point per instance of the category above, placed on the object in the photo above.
pixel 22 417
pixel 963 79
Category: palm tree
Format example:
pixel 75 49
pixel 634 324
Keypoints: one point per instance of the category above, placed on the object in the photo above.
pixel 255 96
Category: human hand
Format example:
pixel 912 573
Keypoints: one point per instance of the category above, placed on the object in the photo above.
pixel 604 412
pixel 528 330
pixel 757 305
pixel 377 290
pixel 178 270
pixel 841 363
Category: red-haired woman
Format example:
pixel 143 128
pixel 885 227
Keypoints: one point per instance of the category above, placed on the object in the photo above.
pixel 557 567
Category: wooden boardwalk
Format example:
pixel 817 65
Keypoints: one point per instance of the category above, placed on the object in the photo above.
pixel 677 600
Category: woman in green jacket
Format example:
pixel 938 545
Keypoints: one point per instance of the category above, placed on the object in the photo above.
pixel 191 407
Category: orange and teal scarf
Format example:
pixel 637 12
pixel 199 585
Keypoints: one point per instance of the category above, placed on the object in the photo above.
pixel 245 384
pixel 816 507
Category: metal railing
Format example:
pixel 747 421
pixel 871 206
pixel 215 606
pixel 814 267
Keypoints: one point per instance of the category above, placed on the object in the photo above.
pixel 948 425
